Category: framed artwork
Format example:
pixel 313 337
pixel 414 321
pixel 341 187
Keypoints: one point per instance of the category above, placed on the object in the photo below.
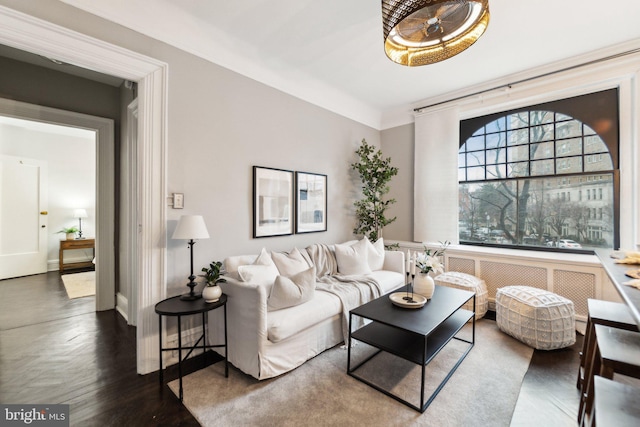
pixel 272 202
pixel 311 202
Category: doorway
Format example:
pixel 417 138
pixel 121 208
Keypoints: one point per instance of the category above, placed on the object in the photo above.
pixel 31 34
pixel 104 188
pixel 46 173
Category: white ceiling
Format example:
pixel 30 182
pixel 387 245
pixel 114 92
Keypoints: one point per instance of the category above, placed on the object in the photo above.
pixel 330 52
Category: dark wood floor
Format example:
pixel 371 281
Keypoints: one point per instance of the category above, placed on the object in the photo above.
pixel 56 350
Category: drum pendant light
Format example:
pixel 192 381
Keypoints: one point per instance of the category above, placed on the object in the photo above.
pixel 421 32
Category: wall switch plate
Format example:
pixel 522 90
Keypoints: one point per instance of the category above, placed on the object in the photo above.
pixel 178 200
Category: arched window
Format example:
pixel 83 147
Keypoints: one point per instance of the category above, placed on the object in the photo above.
pixel 522 175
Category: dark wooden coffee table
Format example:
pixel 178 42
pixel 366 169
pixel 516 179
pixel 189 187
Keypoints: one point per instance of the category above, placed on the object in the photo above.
pixel 414 334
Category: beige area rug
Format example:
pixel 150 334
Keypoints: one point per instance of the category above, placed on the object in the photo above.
pixel 482 392
pixel 80 285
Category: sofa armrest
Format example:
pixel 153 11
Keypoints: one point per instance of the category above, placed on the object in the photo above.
pixel 394 261
pixel 246 324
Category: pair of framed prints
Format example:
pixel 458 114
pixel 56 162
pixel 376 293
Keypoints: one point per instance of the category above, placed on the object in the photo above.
pixel 282 198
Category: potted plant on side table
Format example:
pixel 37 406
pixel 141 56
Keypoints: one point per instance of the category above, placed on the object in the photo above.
pixel 211 291
pixel 70 232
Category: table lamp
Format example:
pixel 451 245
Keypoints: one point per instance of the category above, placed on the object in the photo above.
pixel 80 213
pixel 191 227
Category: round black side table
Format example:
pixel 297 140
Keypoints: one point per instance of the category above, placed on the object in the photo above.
pixel 176 307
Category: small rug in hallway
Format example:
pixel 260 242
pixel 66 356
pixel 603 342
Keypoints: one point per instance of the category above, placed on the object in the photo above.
pixel 482 392
pixel 80 285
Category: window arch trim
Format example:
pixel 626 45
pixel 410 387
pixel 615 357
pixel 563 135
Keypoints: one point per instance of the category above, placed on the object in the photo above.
pixel 598 110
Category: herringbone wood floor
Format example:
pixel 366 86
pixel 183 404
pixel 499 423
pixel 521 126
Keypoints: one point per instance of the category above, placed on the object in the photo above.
pixel 56 350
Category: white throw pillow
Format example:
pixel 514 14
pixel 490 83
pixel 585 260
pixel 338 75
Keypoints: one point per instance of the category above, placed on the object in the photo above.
pixel 376 254
pixel 291 291
pixel 289 264
pixel 264 258
pixel 258 274
pixel 262 272
pixel 353 259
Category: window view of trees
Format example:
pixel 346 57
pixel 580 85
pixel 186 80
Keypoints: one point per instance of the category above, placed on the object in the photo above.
pixel 536 178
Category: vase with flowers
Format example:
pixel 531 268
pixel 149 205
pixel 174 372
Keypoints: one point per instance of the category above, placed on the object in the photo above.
pixel 211 291
pixel 427 262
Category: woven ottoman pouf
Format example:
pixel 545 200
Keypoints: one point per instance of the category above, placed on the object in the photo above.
pixel 539 318
pixel 467 282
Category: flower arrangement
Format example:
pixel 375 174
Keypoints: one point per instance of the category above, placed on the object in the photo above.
pixel 428 261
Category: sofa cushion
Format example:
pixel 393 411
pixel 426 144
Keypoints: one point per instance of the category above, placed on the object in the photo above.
pixel 388 280
pixel 291 263
pixel 258 274
pixel 262 272
pixel 375 255
pixel 232 263
pixel 282 324
pixel 294 290
pixel 353 259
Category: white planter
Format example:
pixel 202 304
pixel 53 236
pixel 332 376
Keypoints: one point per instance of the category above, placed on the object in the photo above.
pixel 211 293
pixel 424 285
pixel 71 236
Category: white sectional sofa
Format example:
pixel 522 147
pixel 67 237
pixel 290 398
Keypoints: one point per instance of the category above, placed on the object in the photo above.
pixel 271 331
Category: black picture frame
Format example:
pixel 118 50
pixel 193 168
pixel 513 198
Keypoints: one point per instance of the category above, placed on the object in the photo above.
pixel 273 206
pixel 311 202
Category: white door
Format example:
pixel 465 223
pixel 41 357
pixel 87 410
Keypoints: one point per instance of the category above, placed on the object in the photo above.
pixel 23 216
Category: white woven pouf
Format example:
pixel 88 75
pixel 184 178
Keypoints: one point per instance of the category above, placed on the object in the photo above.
pixel 537 317
pixel 467 282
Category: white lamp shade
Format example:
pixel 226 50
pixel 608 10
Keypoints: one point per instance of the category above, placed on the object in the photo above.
pixel 80 213
pixel 191 227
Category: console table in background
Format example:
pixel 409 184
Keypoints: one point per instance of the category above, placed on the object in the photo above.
pixel 76 244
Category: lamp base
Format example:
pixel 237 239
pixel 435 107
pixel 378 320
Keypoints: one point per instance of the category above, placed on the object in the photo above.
pixel 191 297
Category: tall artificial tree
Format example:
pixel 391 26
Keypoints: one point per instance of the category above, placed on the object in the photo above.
pixel 375 173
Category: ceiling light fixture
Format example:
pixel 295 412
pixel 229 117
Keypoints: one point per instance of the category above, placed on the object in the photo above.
pixel 421 32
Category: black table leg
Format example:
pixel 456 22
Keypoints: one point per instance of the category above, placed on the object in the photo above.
pixel 226 345
pixel 204 338
pixel 160 353
pixel 180 355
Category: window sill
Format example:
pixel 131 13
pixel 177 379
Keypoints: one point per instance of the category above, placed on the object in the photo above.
pixel 557 256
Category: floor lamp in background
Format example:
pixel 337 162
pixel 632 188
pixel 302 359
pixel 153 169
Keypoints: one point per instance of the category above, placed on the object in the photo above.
pixel 191 227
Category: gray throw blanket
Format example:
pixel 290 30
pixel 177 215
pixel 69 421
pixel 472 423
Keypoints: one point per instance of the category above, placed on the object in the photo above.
pixel 353 291
pixel 324 258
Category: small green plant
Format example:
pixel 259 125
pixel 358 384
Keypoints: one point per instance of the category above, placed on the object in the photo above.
pixel 375 173
pixel 68 230
pixel 212 273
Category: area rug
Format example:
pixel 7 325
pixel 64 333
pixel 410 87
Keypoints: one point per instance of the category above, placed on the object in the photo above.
pixel 482 392
pixel 80 285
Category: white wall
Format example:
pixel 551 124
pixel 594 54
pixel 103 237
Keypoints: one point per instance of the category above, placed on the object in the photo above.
pixel 219 125
pixel 71 177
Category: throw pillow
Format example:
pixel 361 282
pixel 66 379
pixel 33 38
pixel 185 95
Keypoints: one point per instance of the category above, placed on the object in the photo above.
pixel 289 264
pixel 353 259
pixel 262 272
pixel 292 291
pixel 264 258
pixel 376 254
pixel 258 274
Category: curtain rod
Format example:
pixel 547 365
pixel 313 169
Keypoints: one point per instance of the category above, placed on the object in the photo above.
pixel 509 85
